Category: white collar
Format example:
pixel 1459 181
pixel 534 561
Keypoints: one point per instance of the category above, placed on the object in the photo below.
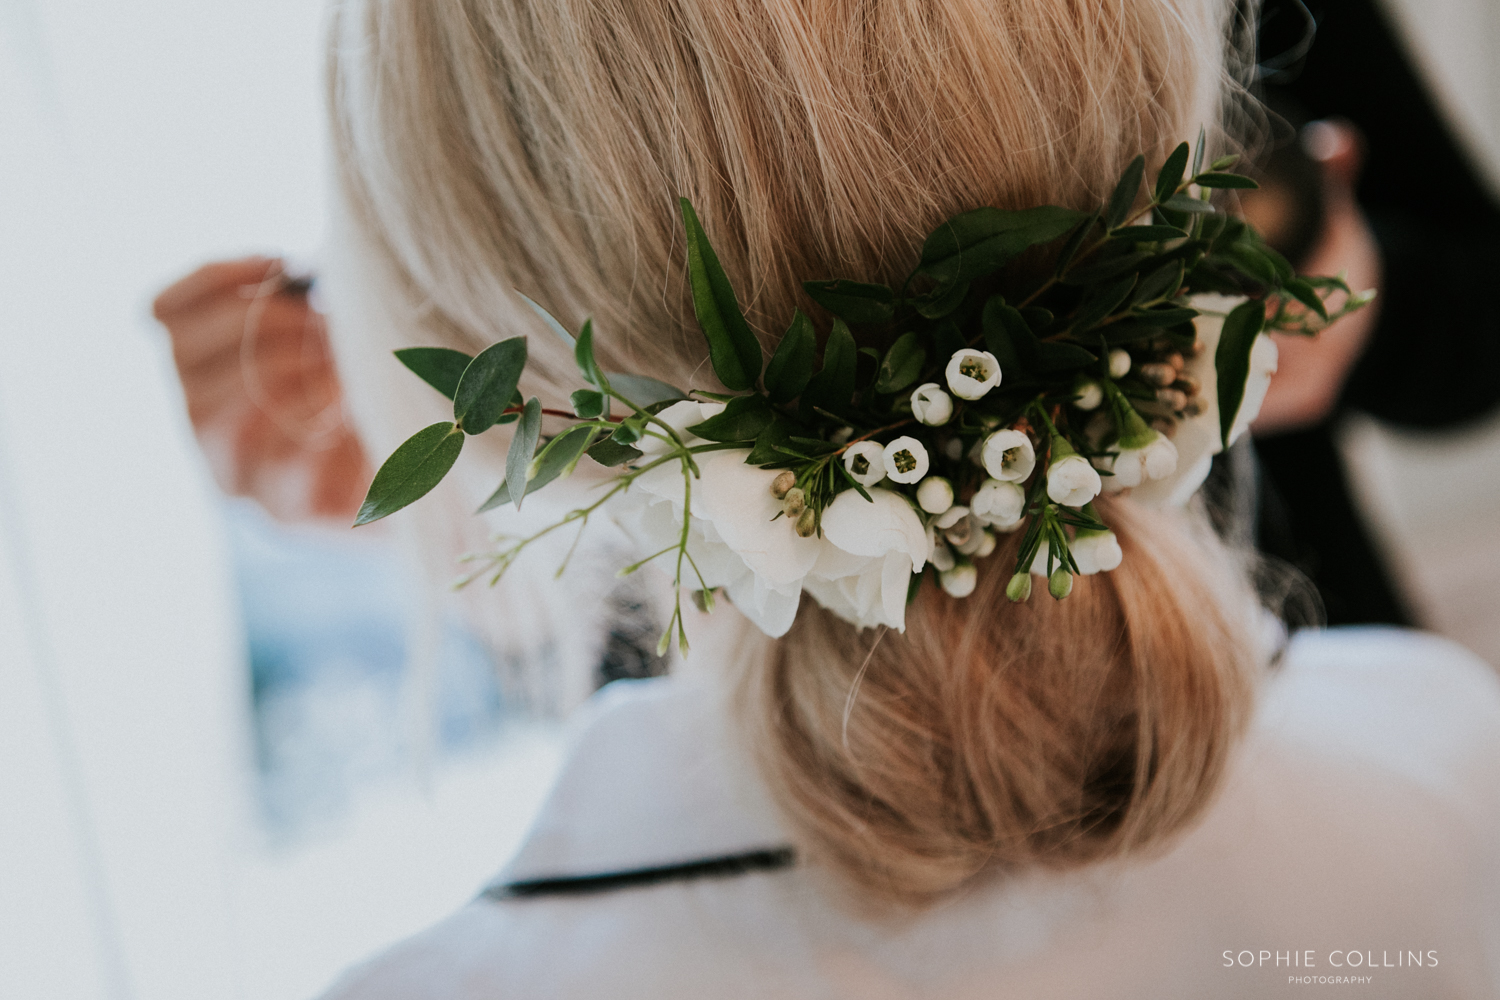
pixel 656 776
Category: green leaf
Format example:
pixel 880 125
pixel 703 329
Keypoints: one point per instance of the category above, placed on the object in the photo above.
pixel 1186 203
pixel 555 459
pixel 412 471
pixel 583 354
pixel 832 388
pixel 1100 301
pixel 1224 162
pixel 439 367
pixel 1199 150
pixel 1252 262
pixel 551 321
pixel 852 301
pixel 977 243
pixel 487 385
pixel 1171 173
pixel 1148 234
pixel 901 365
pixel 588 404
pixel 1123 199
pixel 743 419
pixel 1232 360
pixel 1215 179
pixel 1008 337
pixel 732 346
pixel 1169 316
pixel 611 453
pixel 643 391
pixel 627 433
pixel 942 300
pixel 792 365
pixel 767 445
pixel 1307 295
pixel 1057 356
pixel 1075 242
pixel 1109 266
pixel 1160 283
pixel 523 446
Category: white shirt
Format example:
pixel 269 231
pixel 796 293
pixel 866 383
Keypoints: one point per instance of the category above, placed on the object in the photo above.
pixel 1360 825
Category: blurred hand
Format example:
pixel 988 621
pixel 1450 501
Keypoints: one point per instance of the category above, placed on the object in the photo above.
pixel 1312 370
pixel 262 391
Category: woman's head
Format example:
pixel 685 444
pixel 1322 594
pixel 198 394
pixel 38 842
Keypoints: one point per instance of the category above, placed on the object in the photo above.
pixel 487 147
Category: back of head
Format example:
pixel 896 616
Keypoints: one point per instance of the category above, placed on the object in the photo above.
pixel 488 146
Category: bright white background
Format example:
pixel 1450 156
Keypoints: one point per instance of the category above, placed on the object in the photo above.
pixel 137 140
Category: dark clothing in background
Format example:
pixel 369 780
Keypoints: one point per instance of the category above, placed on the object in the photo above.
pixel 1433 359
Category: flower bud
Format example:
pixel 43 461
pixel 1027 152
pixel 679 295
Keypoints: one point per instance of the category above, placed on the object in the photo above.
pixel 935 495
pixel 1158 373
pixel 807 522
pixel 1087 394
pixel 987 543
pixel 1060 583
pixel 1174 398
pixel 1119 363
pixel 931 405
pixel 794 502
pixel 960 580
pixel 1019 587
pixel 1175 360
pixel 998 503
pixel 1071 480
pixel 782 484
pixel 841 435
pixel 1188 385
pixel 972 373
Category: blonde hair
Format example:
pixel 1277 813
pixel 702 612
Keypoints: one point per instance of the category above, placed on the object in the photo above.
pixel 489 146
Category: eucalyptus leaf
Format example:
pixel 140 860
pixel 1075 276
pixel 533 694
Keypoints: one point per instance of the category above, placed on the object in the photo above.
pixel 901 364
pixel 1232 360
pixel 732 347
pixel 628 433
pixel 611 453
pixel 743 419
pixel 1123 199
pixel 1171 173
pixel 1216 179
pixel 412 471
pixel 852 301
pixel 551 462
pixel 583 354
pixel 643 391
pixel 523 446
pixel 589 404
pixel 792 365
pixel 439 367
pixel 551 321
pixel 832 388
pixel 487 385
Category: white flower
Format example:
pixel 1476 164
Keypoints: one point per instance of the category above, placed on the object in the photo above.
pixel 972 373
pixel 905 460
pixel 1119 363
pixel 935 495
pixel 1155 459
pixel 987 543
pixel 865 462
pixel 869 553
pixel 1071 480
pixel 1008 456
pixel 1197 439
pixel 938 552
pixel 1088 394
pixel 960 580
pixel 679 416
pixel 1039 561
pixel 931 405
pixel 1096 552
pixel 999 503
pixel 860 569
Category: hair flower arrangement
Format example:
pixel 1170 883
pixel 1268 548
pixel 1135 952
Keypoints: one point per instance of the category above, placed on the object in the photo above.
pixel 986 398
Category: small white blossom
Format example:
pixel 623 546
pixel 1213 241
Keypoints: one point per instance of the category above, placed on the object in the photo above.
pixel 987 543
pixel 1119 363
pixel 1096 552
pixel 905 460
pixel 953 515
pixel 865 462
pixel 972 373
pixel 1088 394
pixel 1071 480
pixel 1153 458
pixel 935 495
pixel 931 405
pixel 960 580
pixel 999 503
pixel 938 552
pixel 1008 456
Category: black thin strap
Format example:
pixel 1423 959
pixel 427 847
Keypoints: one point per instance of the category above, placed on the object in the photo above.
pixel 577 885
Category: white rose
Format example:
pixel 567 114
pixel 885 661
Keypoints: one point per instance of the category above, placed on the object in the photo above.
pixel 960 580
pixel 935 495
pixel 905 460
pixel 1096 552
pixel 931 405
pixel 999 503
pixel 865 462
pixel 1008 456
pixel 1072 481
pixel 1197 439
pixel 972 373
pixel 869 552
pixel 678 416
